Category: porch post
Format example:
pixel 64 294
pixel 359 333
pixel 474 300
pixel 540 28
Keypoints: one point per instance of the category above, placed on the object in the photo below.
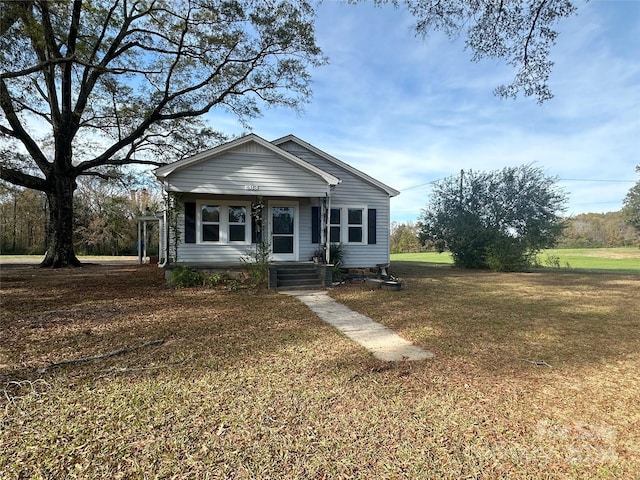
pixel 139 245
pixel 327 226
pixel 144 239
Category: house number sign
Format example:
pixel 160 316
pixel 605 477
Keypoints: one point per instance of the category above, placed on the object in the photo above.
pixel 252 187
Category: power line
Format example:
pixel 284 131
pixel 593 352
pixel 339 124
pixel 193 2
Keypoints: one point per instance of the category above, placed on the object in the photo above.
pixel 609 202
pixel 593 180
pixel 559 179
pixel 418 186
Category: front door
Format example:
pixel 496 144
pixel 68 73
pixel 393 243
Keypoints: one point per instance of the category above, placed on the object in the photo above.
pixel 284 231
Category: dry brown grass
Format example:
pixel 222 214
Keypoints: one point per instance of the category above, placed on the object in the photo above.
pixel 253 385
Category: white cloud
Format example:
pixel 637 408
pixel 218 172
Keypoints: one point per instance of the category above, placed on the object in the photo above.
pixel 409 112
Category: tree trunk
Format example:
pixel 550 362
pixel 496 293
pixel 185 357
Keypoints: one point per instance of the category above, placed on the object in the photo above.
pixel 61 252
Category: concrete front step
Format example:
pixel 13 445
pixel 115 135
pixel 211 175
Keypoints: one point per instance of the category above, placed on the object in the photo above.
pixel 299 275
pixel 315 283
pixel 304 275
pixel 292 270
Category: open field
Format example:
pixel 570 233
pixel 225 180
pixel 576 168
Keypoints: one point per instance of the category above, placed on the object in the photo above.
pixel 36 259
pixel 624 259
pixel 443 258
pixel 596 258
pixel 535 376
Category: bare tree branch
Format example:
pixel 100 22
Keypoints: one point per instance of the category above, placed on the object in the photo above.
pixel 532 29
pixel 18 177
pixel 18 131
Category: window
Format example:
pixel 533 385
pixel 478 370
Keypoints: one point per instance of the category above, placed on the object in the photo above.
pixel 224 222
pixel 210 216
pixel 348 225
pixel 237 223
pixel 334 225
pixel 355 220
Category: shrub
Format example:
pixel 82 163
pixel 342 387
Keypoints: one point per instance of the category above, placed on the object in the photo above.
pixel 185 277
pixel 336 257
pixel 494 219
pixel 507 255
pixel 336 254
pixel 552 261
pixel 215 279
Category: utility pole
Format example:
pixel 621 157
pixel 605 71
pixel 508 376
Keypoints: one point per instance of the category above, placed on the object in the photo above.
pixel 460 192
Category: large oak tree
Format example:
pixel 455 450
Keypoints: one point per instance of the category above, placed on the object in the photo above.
pixel 86 86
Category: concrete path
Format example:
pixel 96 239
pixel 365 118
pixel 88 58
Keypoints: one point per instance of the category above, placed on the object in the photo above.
pixel 378 339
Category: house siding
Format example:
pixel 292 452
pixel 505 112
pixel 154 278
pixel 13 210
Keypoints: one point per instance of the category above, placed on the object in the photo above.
pixel 306 247
pixel 352 191
pixel 248 169
pixel 231 253
pixel 285 171
pixel 199 252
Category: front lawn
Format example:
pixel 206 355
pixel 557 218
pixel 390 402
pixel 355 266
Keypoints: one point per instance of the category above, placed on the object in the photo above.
pixel 535 376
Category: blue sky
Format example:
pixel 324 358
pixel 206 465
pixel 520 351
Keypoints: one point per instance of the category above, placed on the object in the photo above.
pixel 409 111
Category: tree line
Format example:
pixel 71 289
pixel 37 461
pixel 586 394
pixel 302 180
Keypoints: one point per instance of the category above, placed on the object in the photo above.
pixel 586 230
pixel 106 213
pixel 105 217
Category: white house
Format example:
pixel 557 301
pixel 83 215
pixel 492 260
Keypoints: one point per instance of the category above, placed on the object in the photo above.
pixel 287 193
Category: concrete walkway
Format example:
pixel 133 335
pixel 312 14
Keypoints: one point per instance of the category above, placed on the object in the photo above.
pixel 378 339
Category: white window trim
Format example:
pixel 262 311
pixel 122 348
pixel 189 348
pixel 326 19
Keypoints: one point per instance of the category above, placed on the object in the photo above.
pixel 344 223
pixel 331 225
pixel 224 221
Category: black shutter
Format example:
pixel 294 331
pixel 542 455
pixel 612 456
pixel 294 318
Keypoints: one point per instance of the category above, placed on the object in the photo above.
pixel 189 222
pixel 371 226
pixel 315 224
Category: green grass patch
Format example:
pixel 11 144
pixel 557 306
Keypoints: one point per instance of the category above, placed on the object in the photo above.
pixel 623 259
pixel 619 259
pixel 426 257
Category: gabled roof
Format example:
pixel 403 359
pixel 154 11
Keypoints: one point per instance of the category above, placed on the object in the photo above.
pixel 166 170
pixel 392 192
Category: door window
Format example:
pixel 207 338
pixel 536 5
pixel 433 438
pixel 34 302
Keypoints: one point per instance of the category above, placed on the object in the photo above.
pixel 282 229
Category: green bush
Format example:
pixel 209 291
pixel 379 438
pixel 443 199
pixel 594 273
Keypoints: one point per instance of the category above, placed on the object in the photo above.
pixel 508 255
pixel 552 261
pixel 336 257
pixel 185 277
pixel 215 279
